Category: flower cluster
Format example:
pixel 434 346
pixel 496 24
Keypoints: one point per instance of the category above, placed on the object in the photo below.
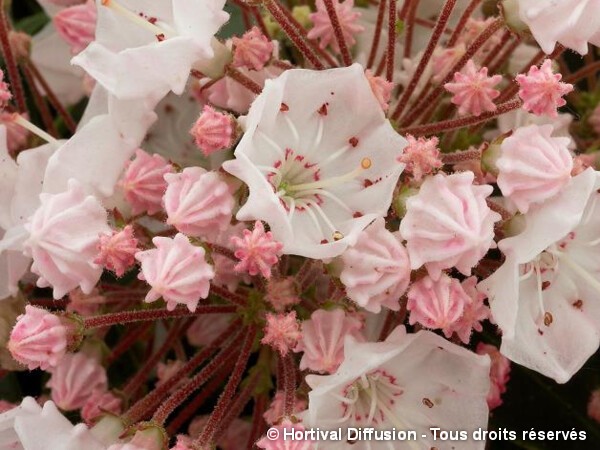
pixel 340 215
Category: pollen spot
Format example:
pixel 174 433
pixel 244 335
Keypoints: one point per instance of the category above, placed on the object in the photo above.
pixel 338 236
pixel 284 108
pixel 578 304
pixel 353 141
pixel 428 402
pixel 548 319
pixel 365 163
pixel 323 109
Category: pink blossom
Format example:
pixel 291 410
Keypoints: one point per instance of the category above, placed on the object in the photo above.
pixel 117 250
pixel 74 379
pixel 177 271
pixel 282 332
pixel 279 443
pixel 474 311
pixel 473 90
pixel 276 410
pixel 322 339
pixel 381 88
pixel 499 374
pixel 257 251
pixel 437 304
pixel 282 293
pixel 5 94
pixel 533 165
pixel 39 339
pixel 421 156
pixel 63 237
pixel 323 29
pixel 541 90
pixel 593 406
pixel 376 269
pixel 77 25
pixel 213 131
pixel 448 224
pixel 252 50
pixel 100 403
pixel 197 202
pixel 143 182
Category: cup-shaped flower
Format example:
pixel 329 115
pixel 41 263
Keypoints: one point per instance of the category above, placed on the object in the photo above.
pixel 408 382
pixel 448 224
pixel 197 202
pixel 74 379
pixel 319 158
pixel 544 296
pixel 376 268
pixel 63 239
pixel 177 271
pixel 533 165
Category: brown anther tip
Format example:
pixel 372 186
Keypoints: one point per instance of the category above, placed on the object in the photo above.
pixel 337 236
pixel 365 163
pixel 548 319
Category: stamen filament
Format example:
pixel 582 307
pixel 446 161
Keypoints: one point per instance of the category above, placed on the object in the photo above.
pixel 333 181
pixel 138 20
pixel 21 121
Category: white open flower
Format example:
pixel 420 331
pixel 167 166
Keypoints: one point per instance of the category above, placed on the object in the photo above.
pixel 319 158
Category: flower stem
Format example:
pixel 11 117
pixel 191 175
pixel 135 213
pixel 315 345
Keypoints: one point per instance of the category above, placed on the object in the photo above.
pixel 461 156
pixel 464 18
pixel 258 421
pixel 231 297
pixel 289 384
pixel 127 341
pixel 244 80
pixel 338 32
pixel 11 62
pixel 377 33
pixel 119 318
pixel 391 43
pixel 207 436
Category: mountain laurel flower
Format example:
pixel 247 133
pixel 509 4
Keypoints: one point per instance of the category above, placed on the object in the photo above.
pixel 74 380
pixel 448 224
pixel 542 91
pixel 282 332
pixel 213 131
pixel 542 297
pixel 253 50
pixel 437 304
pixel 256 250
pixel 177 271
pixel 38 339
pixel 533 165
pixel 499 374
pixel 376 268
pixel 421 156
pixel 117 250
pixel 474 90
pixel 63 240
pixel 323 29
pixel 566 22
pixel 322 340
pixel 308 156
pixel 419 379
pixel 198 203
pixel 77 25
pixel 143 182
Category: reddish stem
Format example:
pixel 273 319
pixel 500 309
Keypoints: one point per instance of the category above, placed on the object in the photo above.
pixel 447 125
pixel 582 73
pixel 377 34
pixel 338 32
pixel 231 297
pixel 206 438
pixel 499 209
pixel 11 62
pixel 127 341
pixel 433 42
pixel 260 22
pixel 244 80
pixel 391 44
pixel 409 26
pixel 258 421
pixel 464 18
pixel 289 384
pixel 462 156
pixel 123 317
pixel 504 56
pixel 40 103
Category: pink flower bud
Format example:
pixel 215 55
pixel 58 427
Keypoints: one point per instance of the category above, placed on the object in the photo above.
pixel 39 339
pixel 252 50
pixel 5 94
pixel 257 250
pixel 143 182
pixel 382 89
pixel 197 202
pixel 275 412
pixel 177 272
pixel 74 380
pixel 282 293
pixel 541 90
pixel 117 250
pixel 421 156
pixel 474 90
pixel 282 332
pixel 213 131
pixel 77 25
